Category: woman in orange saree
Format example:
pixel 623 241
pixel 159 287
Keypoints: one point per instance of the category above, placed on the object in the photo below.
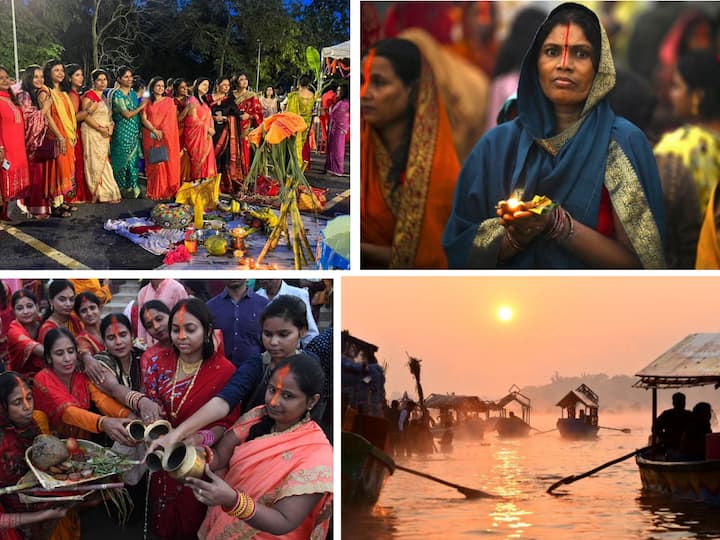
pixel 411 148
pixel 160 119
pixel 76 79
pixel 198 132
pixel 25 352
pixel 59 173
pixel 181 382
pixel 279 480
pixel 180 97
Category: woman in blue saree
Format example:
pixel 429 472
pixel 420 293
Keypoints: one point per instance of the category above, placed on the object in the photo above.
pixel 566 144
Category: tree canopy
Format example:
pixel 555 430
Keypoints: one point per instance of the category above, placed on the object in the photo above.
pixel 176 38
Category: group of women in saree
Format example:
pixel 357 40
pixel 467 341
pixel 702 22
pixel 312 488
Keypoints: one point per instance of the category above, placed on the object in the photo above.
pixel 274 454
pixel 428 200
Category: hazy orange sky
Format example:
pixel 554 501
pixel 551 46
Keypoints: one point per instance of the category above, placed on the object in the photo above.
pixel 565 324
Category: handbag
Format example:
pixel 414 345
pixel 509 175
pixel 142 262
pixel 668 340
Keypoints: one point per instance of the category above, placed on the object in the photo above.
pixel 47 150
pixel 157 154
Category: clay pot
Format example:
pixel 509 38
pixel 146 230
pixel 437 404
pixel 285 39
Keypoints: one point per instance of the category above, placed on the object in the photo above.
pixel 183 460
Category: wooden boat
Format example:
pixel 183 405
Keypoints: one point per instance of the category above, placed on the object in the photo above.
pixel 507 424
pixel 365 468
pixel 458 415
pixel 694 361
pixel 365 465
pixel 578 414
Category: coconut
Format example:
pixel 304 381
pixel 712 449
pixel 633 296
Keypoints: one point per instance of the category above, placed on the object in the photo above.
pixel 48 451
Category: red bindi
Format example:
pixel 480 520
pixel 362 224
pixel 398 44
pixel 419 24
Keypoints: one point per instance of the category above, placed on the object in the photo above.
pixel 282 373
pixel 565 50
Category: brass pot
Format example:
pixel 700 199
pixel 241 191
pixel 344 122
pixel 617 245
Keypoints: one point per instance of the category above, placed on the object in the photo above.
pixel 136 430
pixel 154 461
pixel 183 460
pixel 157 429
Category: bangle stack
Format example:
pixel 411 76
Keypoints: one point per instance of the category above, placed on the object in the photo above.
pixel 100 423
pixel 208 437
pixel 561 227
pixel 132 399
pixel 244 507
pixel 9 521
pixel 513 242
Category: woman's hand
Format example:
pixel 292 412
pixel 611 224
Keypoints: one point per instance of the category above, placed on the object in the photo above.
pixel 526 228
pixel 173 437
pixel 158 134
pixel 213 493
pixel 211 131
pixel 53 513
pixel 245 116
pixel 62 146
pixel 94 370
pixel 115 429
pixel 149 410
pixel 2 153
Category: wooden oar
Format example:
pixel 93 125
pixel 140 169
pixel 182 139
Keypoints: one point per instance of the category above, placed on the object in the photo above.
pixel 624 430
pixel 470 493
pixel 541 432
pixel 575 478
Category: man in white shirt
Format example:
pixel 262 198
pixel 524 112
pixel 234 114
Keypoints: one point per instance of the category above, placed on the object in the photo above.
pixel 272 288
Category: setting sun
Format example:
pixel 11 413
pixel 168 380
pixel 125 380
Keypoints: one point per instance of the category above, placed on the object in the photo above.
pixel 505 313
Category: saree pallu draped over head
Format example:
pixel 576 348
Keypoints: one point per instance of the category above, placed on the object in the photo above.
pixel 525 157
pixel 411 217
pixel 297 461
pixel 53 398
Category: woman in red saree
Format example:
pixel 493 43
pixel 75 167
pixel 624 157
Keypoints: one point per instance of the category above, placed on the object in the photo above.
pixel 160 119
pixel 14 171
pixel 181 383
pixel 61 294
pixel 25 352
pixel 36 127
pixel 180 97
pixel 59 176
pixel 250 113
pixel 76 79
pixel 198 132
pixel 279 478
pixel 19 425
pixel 66 395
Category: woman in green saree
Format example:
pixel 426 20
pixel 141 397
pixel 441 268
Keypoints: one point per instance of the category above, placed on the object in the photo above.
pixel 125 145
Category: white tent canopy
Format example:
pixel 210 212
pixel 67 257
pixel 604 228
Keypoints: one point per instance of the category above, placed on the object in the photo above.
pixel 341 50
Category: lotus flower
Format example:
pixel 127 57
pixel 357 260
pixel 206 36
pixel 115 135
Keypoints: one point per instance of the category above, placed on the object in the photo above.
pixel 277 128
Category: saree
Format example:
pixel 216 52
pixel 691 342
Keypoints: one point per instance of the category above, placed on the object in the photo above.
pixel 163 179
pixel 302 106
pixel 198 142
pixel 73 325
pixel 68 409
pixel 59 173
pixel 225 141
pixel 82 193
pixel 524 158
pixel 15 181
pixel 247 102
pixel 699 150
pixel 339 127
pixel 35 130
pixel 297 461
pixel 178 514
pixel 125 143
pixel 96 149
pixel 86 342
pixel 708 249
pixel 410 217
pixel 20 351
pixel 184 155
pixel 132 379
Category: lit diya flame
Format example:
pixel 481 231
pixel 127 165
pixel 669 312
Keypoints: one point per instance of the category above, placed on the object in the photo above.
pixel 513 203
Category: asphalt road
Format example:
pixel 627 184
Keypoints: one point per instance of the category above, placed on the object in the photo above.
pixel 81 242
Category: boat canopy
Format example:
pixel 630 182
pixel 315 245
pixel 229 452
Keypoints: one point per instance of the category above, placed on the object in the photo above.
pixel 582 394
pixel 694 361
pixel 514 395
pixel 456 403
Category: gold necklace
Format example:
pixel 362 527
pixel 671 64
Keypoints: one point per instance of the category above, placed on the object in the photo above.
pixel 188 368
pixel 174 412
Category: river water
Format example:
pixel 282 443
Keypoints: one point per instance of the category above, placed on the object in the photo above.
pixel 609 505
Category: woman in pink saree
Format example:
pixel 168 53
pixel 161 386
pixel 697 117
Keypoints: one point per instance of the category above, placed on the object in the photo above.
pixel 160 119
pixel 279 478
pixel 198 132
pixel 339 127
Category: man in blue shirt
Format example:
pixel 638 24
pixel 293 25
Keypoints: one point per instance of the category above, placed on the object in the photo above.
pixel 237 311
